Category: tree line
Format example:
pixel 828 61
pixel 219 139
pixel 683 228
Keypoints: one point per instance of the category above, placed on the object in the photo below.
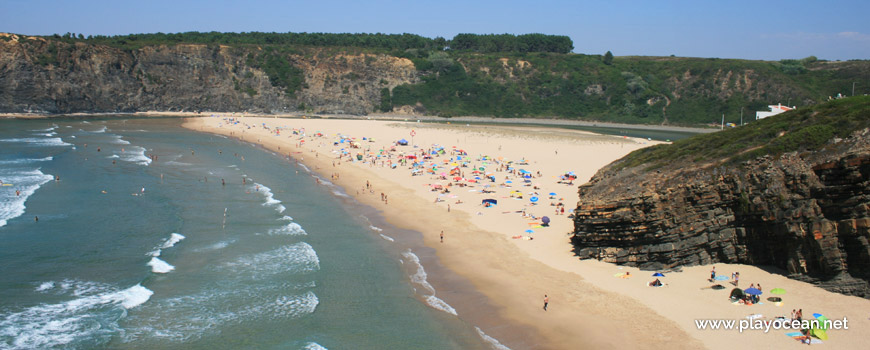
pixel 461 42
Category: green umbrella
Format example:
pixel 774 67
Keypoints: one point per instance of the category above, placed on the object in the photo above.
pixel 777 291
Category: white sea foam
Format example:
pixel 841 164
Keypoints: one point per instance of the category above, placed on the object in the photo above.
pixel 168 243
pixel 216 246
pixel 93 315
pixel 25 160
pixel 38 141
pixel 47 134
pixel 286 218
pixel 295 258
pixel 313 346
pixel 160 266
pixel 419 276
pixel 135 154
pixel 134 296
pixel 114 156
pixel 494 343
pixel 270 197
pixel 388 238
pixel 439 304
pixel 26 182
pixel 44 286
pixel 47 129
pixel 173 239
pixel 181 319
pixel 118 139
pixel 375 228
pixel 100 130
pixel 292 229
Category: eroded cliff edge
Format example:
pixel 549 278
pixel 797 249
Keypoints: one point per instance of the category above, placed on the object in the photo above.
pixel 805 211
pixel 51 77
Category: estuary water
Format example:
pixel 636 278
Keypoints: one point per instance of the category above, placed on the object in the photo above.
pixel 138 234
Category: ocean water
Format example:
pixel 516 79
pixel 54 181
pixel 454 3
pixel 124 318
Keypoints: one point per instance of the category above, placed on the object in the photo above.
pixel 138 234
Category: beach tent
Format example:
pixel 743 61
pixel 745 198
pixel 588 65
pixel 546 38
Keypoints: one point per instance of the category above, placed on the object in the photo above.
pixel 402 142
pixel 658 274
pixel 490 201
pixel 737 294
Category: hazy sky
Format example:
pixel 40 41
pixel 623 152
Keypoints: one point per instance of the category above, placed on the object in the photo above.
pixel 760 29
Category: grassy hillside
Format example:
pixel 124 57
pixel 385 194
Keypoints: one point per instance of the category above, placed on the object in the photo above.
pixel 646 90
pixel 804 129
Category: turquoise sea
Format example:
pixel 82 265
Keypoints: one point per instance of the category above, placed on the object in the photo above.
pixel 138 234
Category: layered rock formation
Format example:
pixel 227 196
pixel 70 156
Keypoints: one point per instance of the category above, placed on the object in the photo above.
pixel 805 213
pixel 43 76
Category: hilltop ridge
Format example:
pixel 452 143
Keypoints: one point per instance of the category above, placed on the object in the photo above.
pixel 500 76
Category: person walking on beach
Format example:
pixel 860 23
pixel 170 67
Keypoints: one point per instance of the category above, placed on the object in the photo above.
pixel 713 274
pixel 546 301
pixel 442 236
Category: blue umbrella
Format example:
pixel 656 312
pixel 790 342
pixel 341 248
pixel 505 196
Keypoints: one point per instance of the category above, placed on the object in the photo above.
pixel 658 274
pixel 533 199
pixel 752 291
pixel 552 193
pixel 530 231
pixel 508 182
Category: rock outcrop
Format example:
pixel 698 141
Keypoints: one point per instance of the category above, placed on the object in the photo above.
pixel 805 213
pixel 44 76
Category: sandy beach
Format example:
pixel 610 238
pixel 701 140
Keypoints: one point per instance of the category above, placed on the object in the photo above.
pixel 506 251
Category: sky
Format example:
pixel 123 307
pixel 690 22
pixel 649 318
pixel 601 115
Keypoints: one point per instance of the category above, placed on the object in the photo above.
pixel 760 29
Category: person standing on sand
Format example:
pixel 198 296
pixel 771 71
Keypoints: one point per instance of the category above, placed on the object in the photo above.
pixel 546 302
pixel 442 236
pixel 713 274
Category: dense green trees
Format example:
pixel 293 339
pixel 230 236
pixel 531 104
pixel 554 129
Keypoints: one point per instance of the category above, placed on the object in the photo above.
pixel 472 42
pixel 512 43
pixel 608 58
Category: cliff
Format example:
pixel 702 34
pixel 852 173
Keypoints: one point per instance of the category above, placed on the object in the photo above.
pixel 805 209
pixel 44 76
pixel 405 74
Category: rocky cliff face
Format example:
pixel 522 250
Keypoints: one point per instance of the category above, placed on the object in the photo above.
pixel 808 214
pixel 43 76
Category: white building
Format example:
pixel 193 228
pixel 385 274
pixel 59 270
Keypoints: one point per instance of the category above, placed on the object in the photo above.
pixel 774 110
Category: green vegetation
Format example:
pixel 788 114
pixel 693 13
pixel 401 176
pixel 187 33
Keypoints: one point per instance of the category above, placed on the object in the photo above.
pixel 471 42
pixel 512 43
pixel 805 129
pixel 386 101
pixel 49 57
pixel 504 75
pixel 275 63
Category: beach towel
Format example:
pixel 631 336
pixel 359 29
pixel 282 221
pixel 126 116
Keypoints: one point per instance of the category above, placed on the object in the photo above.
pixel 794 334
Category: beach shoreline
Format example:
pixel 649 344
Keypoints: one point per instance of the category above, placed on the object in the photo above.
pixel 550 121
pixel 588 304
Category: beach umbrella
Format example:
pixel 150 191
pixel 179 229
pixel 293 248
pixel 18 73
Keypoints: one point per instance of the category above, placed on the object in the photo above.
pixel 822 320
pixel 545 220
pixel 752 291
pixel 533 199
pixel 658 274
pixel 490 201
pixel 552 193
pixel 777 291
pixel 530 231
